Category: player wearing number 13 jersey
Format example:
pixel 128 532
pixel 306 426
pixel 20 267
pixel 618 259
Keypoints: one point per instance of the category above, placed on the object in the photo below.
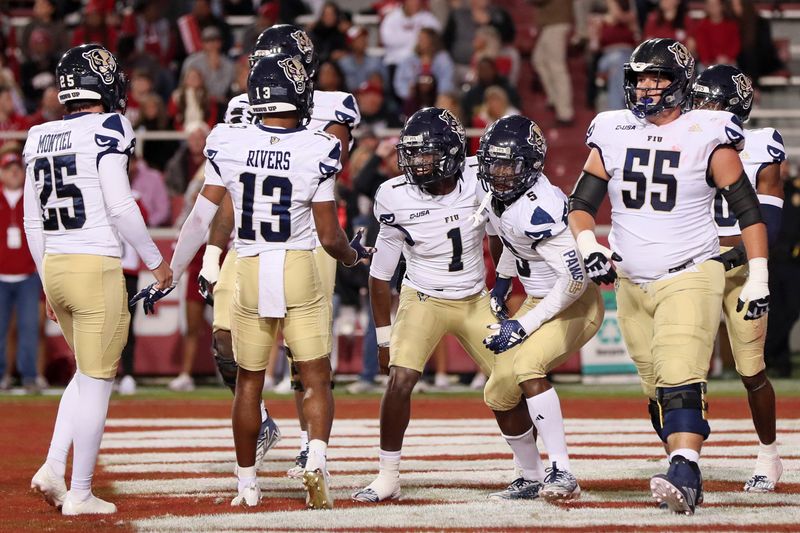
pixel 78 203
pixel 660 168
pixel 727 88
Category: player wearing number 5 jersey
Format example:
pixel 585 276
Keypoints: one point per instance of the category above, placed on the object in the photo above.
pixel 727 88
pixel 660 168
pixel 78 203
pixel 277 174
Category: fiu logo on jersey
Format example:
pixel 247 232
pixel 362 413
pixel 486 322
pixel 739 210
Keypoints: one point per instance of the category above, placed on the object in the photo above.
pixel 304 43
pixel 683 57
pixel 454 124
pixel 744 88
pixel 102 63
pixel 295 73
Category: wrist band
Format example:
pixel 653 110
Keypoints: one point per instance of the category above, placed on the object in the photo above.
pixel 383 335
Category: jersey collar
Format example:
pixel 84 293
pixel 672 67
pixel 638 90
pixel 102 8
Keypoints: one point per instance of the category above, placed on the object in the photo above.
pixel 270 129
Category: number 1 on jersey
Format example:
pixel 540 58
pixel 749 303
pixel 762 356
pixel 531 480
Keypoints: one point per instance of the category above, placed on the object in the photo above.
pixel 456 264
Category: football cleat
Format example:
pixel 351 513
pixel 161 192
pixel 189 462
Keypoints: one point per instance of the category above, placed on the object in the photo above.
pixel 249 496
pixel 519 489
pixel 268 437
pixel 299 467
pixel 382 489
pixel 318 494
pixel 680 487
pixel 559 485
pixel 767 474
pixel 91 505
pixel 50 485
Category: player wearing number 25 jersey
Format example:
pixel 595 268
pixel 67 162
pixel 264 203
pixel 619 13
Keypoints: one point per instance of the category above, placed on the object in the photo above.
pixel 727 88
pixel 78 203
pixel 660 168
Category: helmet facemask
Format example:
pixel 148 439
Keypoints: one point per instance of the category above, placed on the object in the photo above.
pixel 656 99
pixel 506 177
pixel 425 163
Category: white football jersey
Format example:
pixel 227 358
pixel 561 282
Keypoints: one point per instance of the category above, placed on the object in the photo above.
pixel 660 189
pixel 762 147
pixel 273 175
pixel 538 216
pixel 61 159
pixel 443 251
pixel 329 107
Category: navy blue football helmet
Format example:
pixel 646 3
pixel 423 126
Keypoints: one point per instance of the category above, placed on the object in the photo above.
pixel 511 157
pixel 90 72
pixel 432 147
pixel 287 39
pixel 667 59
pixel 723 87
pixel 278 83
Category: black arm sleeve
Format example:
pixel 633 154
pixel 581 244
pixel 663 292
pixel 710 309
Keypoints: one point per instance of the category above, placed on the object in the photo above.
pixel 588 193
pixel 743 202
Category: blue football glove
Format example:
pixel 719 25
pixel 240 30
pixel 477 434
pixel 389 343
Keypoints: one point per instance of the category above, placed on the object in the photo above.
pixel 206 290
pixel 507 334
pixel 151 294
pixel 362 251
pixel 499 294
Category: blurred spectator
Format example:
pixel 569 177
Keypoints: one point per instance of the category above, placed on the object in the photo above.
pixel 643 9
pixel 8 79
pixel 758 56
pixel 9 120
pixel 399 30
pixel 486 77
pixel 375 112
pixel 423 94
pixel 191 26
pixel 150 31
pixel 49 109
pixel 716 37
pixel 94 28
pixel 330 77
pixel 616 38
pixel 487 43
pixel 241 72
pixel 428 59
pixel 329 41
pixel 38 72
pixel 451 102
pixel 20 287
pixel 44 17
pixel 669 21
pixel 464 21
pixel 267 16
pixel 554 19
pixel 495 106
pixel 148 184
pixel 216 69
pixel 191 102
pixel 188 159
pixel 356 64
pixel 153 117
pixel 238 7
pixel 140 86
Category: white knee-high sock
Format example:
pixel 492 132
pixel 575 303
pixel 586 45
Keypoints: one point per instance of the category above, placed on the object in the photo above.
pixel 89 422
pixel 62 432
pixel 526 455
pixel 545 411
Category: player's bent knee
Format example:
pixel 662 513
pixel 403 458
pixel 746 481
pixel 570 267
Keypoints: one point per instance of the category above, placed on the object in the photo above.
pixel 501 394
pixel 401 381
pixel 755 383
pixel 655 418
pixel 223 357
pixel 683 409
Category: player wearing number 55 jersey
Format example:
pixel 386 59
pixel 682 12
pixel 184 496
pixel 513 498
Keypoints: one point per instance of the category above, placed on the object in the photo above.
pixel 426 216
pixel 277 173
pixel 78 203
pixel 660 168
pixel 729 89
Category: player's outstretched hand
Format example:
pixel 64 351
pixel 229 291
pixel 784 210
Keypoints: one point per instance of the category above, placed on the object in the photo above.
pixel 206 289
pixel 755 292
pixel 505 336
pixel 498 297
pixel 163 275
pixel 362 251
pixel 150 294
pixel 597 258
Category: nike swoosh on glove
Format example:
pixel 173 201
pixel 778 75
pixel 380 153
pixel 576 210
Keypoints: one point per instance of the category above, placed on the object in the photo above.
pixel 498 296
pixel 755 292
pixel 151 294
pixel 508 334
pixel 206 290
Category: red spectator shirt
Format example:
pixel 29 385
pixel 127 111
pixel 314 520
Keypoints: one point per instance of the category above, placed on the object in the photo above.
pixel 664 29
pixel 15 258
pixel 716 39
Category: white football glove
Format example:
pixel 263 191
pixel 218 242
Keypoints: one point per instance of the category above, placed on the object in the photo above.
pixel 597 258
pixel 755 293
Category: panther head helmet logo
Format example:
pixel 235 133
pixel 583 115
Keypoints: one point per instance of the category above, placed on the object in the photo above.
pixel 304 43
pixel 744 88
pixel 102 63
pixel 683 57
pixel 295 72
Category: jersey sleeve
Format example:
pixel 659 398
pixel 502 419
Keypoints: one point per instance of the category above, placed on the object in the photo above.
pixel 389 243
pixel 115 137
pixel 213 175
pixel 347 111
pixel 330 164
pixel 775 151
pixel 598 136
pixel 728 130
pixel 549 216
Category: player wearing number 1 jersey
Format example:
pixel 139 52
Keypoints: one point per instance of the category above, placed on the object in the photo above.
pixel 727 88
pixel 660 168
pixel 78 203
pixel 277 174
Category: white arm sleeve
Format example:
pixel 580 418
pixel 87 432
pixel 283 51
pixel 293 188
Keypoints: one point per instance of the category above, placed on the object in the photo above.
pixel 125 214
pixel 389 246
pixel 32 221
pixel 507 266
pixel 561 255
pixel 193 235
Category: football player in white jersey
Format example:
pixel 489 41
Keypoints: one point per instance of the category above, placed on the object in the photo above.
pixel 661 168
pixel 78 203
pixel 563 309
pixel 333 112
pixel 277 173
pixel 727 88
pixel 426 216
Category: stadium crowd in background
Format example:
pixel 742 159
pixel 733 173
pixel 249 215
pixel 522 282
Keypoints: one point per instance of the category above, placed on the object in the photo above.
pixel 185 60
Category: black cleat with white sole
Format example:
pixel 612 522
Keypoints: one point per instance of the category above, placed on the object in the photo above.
pixel 680 488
